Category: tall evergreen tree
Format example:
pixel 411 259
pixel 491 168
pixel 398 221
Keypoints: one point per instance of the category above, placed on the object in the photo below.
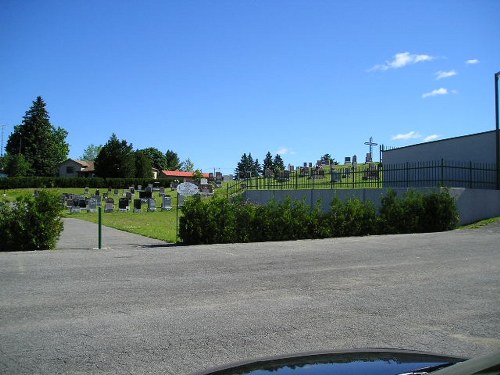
pixel 143 165
pixel 43 146
pixel 278 164
pixel 268 162
pixel 247 167
pixel 173 161
pixel 116 159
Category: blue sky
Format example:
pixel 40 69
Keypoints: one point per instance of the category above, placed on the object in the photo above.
pixel 212 80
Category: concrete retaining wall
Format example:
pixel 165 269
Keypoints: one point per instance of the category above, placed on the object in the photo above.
pixel 472 204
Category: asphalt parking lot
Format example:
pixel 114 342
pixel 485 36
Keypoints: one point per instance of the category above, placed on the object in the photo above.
pixel 142 306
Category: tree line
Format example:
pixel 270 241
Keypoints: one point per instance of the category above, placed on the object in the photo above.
pixel 37 148
pixel 248 167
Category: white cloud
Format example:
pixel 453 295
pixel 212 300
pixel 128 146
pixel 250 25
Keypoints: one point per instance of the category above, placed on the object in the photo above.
pixel 285 151
pixel 472 62
pixel 432 137
pixel 401 60
pixel 409 135
pixel 441 74
pixel 441 91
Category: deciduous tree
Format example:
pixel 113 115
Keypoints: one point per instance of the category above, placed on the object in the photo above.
pixel 91 152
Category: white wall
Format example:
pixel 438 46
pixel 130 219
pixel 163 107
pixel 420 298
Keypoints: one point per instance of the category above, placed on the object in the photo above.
pixel 478 148
pixel 472 204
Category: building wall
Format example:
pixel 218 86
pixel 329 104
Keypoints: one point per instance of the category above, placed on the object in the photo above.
pixel 71 164
pixel 472 204
pixel 479 148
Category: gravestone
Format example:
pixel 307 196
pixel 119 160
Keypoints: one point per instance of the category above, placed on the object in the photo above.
pixel 82 203
pixel 123 204
pixel 151 205
pixel 97 192
pixel 203 181
pixel 139 187
pixel 92 205
pixel 128 195
pixel 86 190
pixel 109 189
pixel 137 205
pixel 132 190
pixel 162 190
pixel 115 191
pixel 166 204
pixel 110 205
pixel 347 160
pixel 99 200
pixel 336 176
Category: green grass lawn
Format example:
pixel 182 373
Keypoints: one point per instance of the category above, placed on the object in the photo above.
pixel 160 224
pixel 481 223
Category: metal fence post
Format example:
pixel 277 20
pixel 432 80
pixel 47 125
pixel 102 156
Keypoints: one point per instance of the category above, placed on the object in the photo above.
pixel 99 230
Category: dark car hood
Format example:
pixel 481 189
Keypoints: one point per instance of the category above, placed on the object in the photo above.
pixel 367 362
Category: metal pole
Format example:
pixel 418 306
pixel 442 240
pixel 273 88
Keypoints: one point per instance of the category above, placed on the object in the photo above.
pixel 99 230
pixel 177 219
pixel 497 75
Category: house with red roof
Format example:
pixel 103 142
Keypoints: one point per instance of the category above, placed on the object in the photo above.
pixel 182 176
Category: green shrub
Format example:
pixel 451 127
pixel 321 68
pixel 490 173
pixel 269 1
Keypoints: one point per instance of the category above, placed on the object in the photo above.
pixel 441 212
pixel 31 223
pixel 351 218
pixel 417 212
pixel 219 220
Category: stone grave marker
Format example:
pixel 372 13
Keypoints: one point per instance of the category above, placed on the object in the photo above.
pixel 92 205
pixel 137 205
pixel 110 205
pixel 336 176
pixel 151 205
pixel 166 204
pixel 123 204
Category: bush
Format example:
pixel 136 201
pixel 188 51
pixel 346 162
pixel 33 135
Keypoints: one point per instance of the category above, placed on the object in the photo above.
pixel 75 182
pixel 351 218
pixel 219 220
pixel 417 212
pixel 31 223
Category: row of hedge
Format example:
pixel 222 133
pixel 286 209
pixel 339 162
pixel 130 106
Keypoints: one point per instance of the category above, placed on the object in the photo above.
pixel 31 223
pixel 219 220
pixel 75 182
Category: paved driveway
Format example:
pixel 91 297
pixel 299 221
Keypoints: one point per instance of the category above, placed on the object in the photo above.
pixel 142 308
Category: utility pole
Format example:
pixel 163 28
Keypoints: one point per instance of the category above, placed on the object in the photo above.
pixel 497 130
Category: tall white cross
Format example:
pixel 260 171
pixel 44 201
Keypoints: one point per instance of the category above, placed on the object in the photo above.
pixel 370 144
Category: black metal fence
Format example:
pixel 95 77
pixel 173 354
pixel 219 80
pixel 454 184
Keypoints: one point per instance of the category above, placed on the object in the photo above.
pixel 375 175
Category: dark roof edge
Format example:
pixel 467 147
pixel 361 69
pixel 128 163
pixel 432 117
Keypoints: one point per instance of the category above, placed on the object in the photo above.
pixel 440 140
